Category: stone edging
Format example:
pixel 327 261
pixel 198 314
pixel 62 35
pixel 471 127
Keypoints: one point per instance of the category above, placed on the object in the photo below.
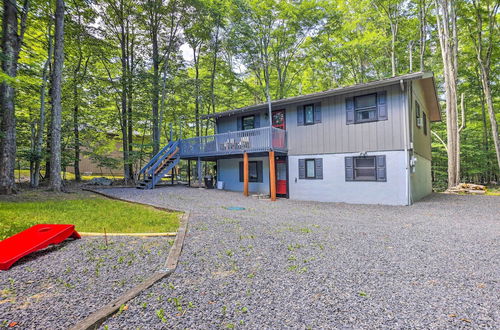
pixel 94 320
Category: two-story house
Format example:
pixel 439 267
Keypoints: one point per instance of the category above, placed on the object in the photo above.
pixel 367 143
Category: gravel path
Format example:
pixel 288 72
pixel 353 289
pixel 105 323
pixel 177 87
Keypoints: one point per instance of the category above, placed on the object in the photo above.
pixel 323 265
pixel 56 287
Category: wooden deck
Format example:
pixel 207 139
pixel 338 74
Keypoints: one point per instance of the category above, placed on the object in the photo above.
pixel 234 143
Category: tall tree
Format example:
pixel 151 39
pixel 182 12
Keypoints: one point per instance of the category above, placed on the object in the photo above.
pixel 35 176
pixel 448 40
pixel 483 30
pixel 56 93
pixel 12 39
pixel 154 9
pixel 392 9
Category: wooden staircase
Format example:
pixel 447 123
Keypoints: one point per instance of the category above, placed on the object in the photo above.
pixel 159 166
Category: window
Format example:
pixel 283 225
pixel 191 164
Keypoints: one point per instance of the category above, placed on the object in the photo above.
pixel 248 122
pixel 311 168
pixel 365 168
pixel 254 171
pixel 310 171
pixel 424 119
pixel 365 108
pixel 417 109
pixel 309 114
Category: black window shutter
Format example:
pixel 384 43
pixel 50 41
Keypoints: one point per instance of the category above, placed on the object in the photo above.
pixel 300 115
pixel 382 105
pixel 349 168
pixel 256 122
pixel 241 171
pixel 302 168
pixel 239 124
pixel 317 112
pixel 259 171
pixel 318 167
pixel 381 169
pixel 349 110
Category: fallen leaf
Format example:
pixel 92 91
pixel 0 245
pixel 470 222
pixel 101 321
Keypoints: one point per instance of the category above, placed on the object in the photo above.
pixel 125 307
pixel 466 320
pixel 12 324
pixel 452 315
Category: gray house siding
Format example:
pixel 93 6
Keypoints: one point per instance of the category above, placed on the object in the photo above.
pixel 230 124
pixel 334 135
pixel 421 141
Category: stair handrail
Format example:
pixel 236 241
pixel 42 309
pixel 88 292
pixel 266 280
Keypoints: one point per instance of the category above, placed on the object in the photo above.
pixel 155 178
pixel 172 148
pixel 154 158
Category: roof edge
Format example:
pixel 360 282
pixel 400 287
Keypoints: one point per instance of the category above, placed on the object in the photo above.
pixel 327 93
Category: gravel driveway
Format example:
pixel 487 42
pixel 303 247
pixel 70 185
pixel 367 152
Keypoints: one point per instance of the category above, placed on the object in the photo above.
pixel 323 265
pixel 56 287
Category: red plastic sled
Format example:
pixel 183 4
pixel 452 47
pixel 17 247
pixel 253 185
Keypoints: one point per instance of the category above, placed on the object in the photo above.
pixel 33 239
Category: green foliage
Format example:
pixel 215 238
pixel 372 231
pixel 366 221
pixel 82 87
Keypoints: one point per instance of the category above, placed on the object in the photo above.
pixel 307 46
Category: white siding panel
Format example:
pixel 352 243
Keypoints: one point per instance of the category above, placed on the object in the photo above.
pixel 334 187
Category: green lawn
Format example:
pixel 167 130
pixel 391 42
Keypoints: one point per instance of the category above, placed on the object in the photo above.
pixel 87 211
pixel 68 176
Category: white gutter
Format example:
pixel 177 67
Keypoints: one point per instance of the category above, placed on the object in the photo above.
pixel 405 140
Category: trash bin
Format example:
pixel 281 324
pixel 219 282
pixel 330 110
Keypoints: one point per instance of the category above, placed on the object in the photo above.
pixel 209 182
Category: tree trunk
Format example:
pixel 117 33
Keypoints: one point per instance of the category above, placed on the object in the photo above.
pixel 197 90
pixel 491 111
pixel 214 70
pixel 124 85
pixel 41 124
pixel 10 50
pixel 76 132
pixel 55 159
pixel 445 21
pixel 422 17
pixel 155 90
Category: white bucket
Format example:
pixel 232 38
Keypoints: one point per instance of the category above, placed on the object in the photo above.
pixel 220 185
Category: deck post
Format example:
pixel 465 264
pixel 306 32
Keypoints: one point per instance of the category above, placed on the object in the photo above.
pixel 198 164
pixel 245 174
pixel 189 173
pixel 272 175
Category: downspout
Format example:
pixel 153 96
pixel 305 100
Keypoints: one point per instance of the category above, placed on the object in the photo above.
pixel 405 139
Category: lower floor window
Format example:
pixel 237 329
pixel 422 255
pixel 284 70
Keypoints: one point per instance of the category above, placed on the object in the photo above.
pixel 310 172
pixel 311 168
pixel 254 171
pixel 365 168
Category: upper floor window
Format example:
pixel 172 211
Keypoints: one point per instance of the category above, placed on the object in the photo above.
pixel 365 108
pixel 248 122
pixel 424 119
pixel 417 109
pixel 309 114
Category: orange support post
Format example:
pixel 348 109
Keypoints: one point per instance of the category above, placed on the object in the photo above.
pixel 272 175
pixel 245 174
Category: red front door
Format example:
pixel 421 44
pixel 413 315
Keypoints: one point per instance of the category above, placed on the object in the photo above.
pixel 281 177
